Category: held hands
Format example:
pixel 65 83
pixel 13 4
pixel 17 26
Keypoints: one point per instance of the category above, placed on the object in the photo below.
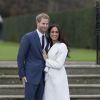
pixel 46 69
pixel 24 80
pixel 45 56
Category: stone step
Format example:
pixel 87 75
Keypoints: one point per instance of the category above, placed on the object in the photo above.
pixel 11 97
pixel 11 89
pixel 71 69
pixel 67 62
pixel 9 79
pixel 8 70
pixel 8 63
pixel 73 79
pixel 73 97
pixel 85 89
pixel 82 69
pixel 84 79
pixel 85 97
pixel 80 89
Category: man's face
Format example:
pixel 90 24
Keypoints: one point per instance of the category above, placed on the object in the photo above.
pixel 42 26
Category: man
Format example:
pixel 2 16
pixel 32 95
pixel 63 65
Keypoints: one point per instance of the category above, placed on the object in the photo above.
pixel 30 60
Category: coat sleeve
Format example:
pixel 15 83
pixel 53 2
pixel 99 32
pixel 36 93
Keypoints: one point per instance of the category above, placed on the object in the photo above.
pixel 59 61
pixel 23 48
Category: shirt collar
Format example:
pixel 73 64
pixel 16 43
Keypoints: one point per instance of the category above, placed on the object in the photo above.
pixel 39 33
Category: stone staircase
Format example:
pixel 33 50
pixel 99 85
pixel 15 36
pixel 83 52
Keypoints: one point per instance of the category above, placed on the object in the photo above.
pixel 84 81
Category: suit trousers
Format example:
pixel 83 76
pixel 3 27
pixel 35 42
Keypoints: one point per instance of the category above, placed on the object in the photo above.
pixel 34 91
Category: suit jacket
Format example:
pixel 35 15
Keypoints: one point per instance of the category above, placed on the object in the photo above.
pixel 30 60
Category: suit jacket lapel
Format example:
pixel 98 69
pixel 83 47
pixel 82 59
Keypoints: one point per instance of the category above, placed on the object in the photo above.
pixel 37 39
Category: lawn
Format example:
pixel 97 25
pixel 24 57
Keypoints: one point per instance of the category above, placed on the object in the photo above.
pixel 8 51
pixel 77 54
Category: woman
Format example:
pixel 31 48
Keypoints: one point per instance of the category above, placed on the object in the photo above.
pixel 56 83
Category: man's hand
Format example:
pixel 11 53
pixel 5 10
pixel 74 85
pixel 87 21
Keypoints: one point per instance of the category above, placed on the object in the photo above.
pixel 24 80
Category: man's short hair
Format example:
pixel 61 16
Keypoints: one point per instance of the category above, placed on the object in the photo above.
pixel 42 15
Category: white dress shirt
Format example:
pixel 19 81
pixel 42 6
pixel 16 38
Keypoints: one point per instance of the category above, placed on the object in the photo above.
pixel 40 36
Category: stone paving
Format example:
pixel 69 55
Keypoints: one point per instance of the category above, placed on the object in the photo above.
pixel 14 63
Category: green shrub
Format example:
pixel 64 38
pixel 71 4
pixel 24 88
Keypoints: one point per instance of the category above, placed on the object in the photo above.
pixel 15 27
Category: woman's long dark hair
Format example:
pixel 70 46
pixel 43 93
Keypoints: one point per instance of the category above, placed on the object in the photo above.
pixel 60 38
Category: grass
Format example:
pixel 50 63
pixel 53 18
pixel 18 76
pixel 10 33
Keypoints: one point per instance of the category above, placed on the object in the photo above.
pixel 82 55
pixel 8 51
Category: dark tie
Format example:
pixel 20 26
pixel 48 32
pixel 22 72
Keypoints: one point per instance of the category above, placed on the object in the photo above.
pixel 42 41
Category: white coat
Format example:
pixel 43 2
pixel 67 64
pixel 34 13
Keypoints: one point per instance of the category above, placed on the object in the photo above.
pixel 56 83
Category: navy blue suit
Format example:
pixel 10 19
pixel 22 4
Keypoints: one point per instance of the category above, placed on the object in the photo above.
pixel 31 64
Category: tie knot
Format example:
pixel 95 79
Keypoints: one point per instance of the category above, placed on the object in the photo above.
pixel 42 35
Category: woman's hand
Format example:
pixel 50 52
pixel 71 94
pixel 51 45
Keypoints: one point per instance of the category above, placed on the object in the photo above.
pixel 45 56
pixel 46 69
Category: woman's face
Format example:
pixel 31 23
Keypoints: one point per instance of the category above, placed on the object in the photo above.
pixel 54 34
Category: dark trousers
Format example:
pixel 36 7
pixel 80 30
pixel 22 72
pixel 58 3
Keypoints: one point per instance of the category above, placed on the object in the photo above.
pixel 34 91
